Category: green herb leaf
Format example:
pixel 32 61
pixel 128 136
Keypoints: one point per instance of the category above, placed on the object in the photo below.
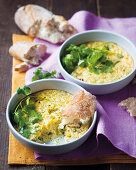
pixel 24 91
pixel 72 47
pixel 85 51
pixel 70 61
pixel 25 115
pixel 82 62
pixel 17 116
pixel 40 74
pixel 95 58
pixel 35 116
pixel 27 100
pixel 28 108
pixel 26 133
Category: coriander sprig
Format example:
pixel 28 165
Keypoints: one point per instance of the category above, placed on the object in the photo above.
pixel 25 113
pixel 41 74
pixel 24 90
pixel 95 58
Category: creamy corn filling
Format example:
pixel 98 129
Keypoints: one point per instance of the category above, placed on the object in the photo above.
pixel 48 130
pixel 121 69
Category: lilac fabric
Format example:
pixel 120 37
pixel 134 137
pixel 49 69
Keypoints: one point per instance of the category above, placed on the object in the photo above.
pixel 115 131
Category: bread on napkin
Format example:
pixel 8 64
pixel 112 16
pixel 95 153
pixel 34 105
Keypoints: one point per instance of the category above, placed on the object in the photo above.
pixel 130 105
pixel 28 52
pixel 37 21
pixel 79 110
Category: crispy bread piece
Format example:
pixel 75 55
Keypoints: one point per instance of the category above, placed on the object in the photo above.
pixel 57 30
pixel 82 106
pixel 28 51
pixel 22 67
pixel 130 105
pixel 29 17
pixel 38 22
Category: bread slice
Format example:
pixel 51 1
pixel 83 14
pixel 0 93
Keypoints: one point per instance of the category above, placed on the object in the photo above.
pixel 57 30
pixel 28 52
pixel 79 110
pixel 39 22
pixel 130 105
pixel 28 17
pixel 23 67
pixel 82 106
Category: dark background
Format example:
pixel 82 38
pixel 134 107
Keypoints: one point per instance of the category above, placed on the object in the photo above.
pixel 104 8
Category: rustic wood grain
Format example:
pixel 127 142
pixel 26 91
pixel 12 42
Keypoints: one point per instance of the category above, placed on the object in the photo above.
pixel 68 7
pixel 117 8
pixel 123 167
pixel 5 82
pixel 92 167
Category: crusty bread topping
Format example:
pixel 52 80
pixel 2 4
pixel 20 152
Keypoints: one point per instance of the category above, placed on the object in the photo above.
pixel 82 106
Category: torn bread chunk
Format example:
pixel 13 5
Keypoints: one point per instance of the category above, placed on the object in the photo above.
pixel 37 21
pixel 29 17
pixel 130 105
pixel 81 106
pixel 23 67
pixel 28 52
pixel 79 110
pixel 56 30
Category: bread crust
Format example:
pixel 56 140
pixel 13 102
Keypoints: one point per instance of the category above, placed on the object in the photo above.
pixel 28 52
pixel 27 16
pixel 130 105
pixel 23 67
pixel 38 22
pixel 82 106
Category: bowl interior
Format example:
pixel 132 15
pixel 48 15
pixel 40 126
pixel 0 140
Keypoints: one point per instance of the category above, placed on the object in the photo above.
pixel 38 86
pixel 100 35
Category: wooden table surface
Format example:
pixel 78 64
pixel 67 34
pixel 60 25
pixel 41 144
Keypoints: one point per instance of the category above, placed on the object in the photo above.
pixel 104 8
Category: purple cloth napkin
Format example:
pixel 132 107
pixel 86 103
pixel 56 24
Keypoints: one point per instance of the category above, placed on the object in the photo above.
pixel 115 131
